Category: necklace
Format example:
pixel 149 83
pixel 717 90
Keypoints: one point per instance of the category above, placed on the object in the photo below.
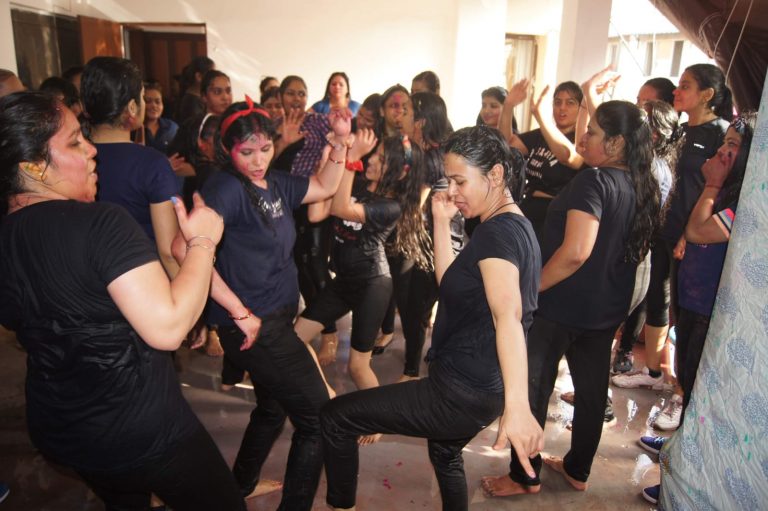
pixel 502 206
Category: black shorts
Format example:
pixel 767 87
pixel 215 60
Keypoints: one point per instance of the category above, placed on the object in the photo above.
pixel 366 298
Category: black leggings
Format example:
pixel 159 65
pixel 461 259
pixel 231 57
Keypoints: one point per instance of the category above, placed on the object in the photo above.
pixel 366 298
pixel 311 253
pixel 415 293
pixel 193 476
pixel 691 333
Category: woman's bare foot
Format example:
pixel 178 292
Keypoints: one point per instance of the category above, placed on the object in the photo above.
pixel 556 464
pixel 226 388
pixel 213 345
pixel 265 486
pixel 405 378
pixel 503 486
pixel 369 439
pixel 328 345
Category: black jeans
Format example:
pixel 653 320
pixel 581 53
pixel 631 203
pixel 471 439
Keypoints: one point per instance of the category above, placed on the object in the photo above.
pixel 415 293
pixel 287 383
pixel 190 477
pixel 691 333
pixel 588 353
pixel 438 408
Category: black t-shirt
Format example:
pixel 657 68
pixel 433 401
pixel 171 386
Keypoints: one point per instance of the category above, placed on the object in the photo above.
pixel 358 250
pixel 701 143
pixel 597 295
pixel 98 397
pixel 543 172
pixel 464 337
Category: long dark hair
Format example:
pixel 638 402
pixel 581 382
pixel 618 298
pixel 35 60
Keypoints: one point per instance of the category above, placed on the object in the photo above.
pixel 431 109
pixel 107 86
pixel 28 121
pixel 744 125
pixel 708 76
pixel 330 79
pixel 240 130
pixel 625 119
pixel 483 147
pixel 664 89
pixel 381 127
pixel 411 238
pixel 663 120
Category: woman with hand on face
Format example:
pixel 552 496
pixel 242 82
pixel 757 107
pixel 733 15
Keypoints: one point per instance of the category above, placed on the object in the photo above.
pixel 707 234
pixel 477 365
pixel 136 177
pixel 255 293
pixel 597 231
pixel 705 97
pixel 81 286
pixel 336 95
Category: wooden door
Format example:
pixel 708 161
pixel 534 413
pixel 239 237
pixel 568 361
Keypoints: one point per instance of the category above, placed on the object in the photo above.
pixel 100 38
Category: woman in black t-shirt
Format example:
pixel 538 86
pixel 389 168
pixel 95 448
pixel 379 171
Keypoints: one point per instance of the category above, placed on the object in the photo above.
pixel 364 218
pixel 552 156
pixel 82 287
pixel 597 230
pixel 477 361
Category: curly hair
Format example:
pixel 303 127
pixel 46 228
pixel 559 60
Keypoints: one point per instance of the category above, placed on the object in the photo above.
pixel 411 238
pixel 625 119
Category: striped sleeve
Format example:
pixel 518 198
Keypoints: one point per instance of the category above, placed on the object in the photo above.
pixel 724 220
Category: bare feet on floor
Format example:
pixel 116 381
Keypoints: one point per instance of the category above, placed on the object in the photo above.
pixel 503 486
pixel 405 378
pixel 265 486
pixel 556 464
pixel 369 439
pixel 328 345
pixel 213 345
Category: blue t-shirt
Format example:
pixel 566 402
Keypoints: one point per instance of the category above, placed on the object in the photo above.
pixel 164 136
pixel 464 337
pixel 324 106
pixel 134 177
pixel 255 256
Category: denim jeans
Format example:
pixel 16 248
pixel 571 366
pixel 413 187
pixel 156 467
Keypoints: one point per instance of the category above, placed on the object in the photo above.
pixel 287 383
pixel 438 408
pixel 588 353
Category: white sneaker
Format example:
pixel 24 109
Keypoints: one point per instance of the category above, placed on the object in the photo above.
pixel 640 379
pixel 669 418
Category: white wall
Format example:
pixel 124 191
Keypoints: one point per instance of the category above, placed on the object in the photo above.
pixel 376 43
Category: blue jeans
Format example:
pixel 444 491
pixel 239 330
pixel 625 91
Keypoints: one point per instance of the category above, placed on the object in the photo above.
pixel 287 383
pixel 437 408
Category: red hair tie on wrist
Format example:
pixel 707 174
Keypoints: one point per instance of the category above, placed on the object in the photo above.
pixel 226 123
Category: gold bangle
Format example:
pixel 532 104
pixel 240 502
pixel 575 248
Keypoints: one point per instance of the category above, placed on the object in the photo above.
pixel 202 245
pixel 247 315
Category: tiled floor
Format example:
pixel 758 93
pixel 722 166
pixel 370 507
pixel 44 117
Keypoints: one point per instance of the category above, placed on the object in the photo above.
pixel 395 473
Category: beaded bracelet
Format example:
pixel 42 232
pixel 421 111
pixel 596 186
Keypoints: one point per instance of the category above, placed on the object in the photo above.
pixel 247 315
